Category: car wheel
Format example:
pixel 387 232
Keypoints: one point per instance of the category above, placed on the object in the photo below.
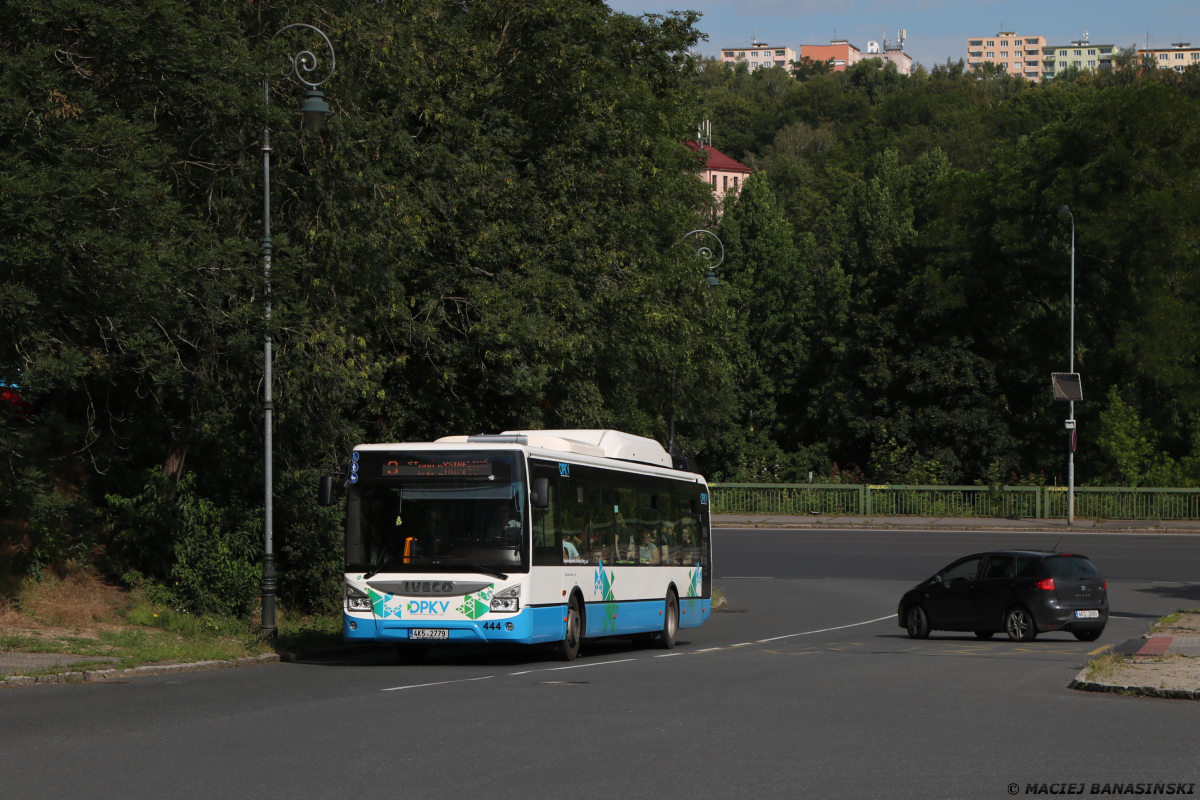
pixel 1020 625
pixel 984 634
pixel 1088 636
pixel 568 648
pixel 666 639
pixel 917 623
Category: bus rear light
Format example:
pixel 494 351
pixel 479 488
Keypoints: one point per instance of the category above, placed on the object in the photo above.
pixel 1045 584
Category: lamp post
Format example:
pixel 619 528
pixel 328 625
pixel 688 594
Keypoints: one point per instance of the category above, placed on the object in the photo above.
pixel 312 112
pixel 710 251
pixel 1065 211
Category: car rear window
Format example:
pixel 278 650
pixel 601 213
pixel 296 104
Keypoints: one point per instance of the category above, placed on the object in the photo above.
pixel 1070 567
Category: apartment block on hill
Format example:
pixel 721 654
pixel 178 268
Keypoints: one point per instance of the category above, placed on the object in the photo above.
pixel 1034 57
pixel 839 51
pixel 1013 53
pixel 891 52
pixel 1178 56
pixel 760 55
pixel 1080 54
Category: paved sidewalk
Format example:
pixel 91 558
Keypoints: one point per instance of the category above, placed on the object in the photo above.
pixel 24 663
pixel 953 523
pixel 1163 664
pixel 1161 645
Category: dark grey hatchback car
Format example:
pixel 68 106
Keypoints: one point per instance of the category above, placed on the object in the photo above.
pixel 1020 592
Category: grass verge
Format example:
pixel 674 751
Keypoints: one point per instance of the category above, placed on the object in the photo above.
pixel 1168 622
pixel 1102 668
pixel 77 614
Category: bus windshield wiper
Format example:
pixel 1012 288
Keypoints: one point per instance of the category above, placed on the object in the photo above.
pixel 486 571
pixel 473 567
pixel 381 567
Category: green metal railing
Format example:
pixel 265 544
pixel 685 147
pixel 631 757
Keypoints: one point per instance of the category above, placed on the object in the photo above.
pixel 1036 502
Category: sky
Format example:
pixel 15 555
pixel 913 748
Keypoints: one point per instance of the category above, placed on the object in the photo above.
pixel 937 29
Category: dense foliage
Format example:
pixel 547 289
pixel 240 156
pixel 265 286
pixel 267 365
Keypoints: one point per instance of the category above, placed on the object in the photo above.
pixel 486 235
pixel 930 301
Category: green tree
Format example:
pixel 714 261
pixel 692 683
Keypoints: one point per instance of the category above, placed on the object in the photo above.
pixel 483 236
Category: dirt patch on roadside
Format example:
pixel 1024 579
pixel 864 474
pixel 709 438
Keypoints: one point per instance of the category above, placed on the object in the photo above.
pixel 1160 672
pixel 1170 671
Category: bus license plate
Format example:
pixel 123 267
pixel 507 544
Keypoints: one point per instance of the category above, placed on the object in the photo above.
pixel 1087 614
pixel 428 633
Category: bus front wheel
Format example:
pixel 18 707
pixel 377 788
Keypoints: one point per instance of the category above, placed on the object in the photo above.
pixel 568 648
pixel 666 639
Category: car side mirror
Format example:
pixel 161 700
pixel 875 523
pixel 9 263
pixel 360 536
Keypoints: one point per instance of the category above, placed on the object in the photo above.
pixel 539 493
pixel 325 491
pixel 939 578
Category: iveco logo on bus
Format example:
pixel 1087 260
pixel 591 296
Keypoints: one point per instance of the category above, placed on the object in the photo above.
pixel 428 587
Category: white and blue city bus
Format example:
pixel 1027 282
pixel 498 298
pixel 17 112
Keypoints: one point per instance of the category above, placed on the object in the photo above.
pixel 526 537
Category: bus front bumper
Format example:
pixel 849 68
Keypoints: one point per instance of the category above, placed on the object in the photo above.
pixel 530 625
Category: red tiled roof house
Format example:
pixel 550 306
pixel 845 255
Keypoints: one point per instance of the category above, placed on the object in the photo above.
pixel 720 172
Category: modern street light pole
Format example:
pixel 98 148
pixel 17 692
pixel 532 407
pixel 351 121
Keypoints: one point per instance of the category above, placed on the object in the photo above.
pixel 1071 434
pixel 312 111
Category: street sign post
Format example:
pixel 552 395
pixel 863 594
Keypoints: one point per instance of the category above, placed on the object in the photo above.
pixel 1067 386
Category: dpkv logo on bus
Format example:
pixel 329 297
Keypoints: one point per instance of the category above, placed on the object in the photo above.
pixel 427 607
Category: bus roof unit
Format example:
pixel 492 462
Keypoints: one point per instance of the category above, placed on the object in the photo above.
pixel 596 442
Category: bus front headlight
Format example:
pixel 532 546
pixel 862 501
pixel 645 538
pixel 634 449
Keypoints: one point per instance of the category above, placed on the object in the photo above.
pixel 507 600
pixel 356 599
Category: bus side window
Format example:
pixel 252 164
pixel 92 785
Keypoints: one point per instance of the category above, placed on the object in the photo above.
pixel 689 539
pixel 572 521
pixel 668 535
pixel 600 524
pixel 547 538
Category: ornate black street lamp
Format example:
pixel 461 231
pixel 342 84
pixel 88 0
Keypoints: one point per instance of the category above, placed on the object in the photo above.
pixel 312 112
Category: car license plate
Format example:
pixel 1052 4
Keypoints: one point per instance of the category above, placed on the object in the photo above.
pixel 428 633
pixel 1087 614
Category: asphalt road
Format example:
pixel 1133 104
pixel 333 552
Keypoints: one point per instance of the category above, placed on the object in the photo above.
pixel 806 688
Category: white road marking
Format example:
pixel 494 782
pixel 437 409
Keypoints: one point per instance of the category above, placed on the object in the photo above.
pixel 823 630
pixel 575 666
pixel 664 655
pixel 438 683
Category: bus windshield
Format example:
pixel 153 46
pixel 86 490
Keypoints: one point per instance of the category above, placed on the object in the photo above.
pixel 437 512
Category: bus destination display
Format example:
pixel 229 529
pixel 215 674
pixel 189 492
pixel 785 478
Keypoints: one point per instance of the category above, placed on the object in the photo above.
pixel 437 468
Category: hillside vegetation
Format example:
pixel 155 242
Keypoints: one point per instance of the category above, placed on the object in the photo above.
pixel 487 235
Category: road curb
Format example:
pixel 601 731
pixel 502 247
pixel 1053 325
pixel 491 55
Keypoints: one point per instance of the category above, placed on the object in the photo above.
pixel 789 525
pixel 1083 685
pixel 102 675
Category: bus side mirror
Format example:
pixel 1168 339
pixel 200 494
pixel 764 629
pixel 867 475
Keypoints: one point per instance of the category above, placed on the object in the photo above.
pixel 325 492
pixel 539 493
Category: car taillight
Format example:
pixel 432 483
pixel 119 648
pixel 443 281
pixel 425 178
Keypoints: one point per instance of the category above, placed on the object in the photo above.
pixel 1105 585
pixel 1046 584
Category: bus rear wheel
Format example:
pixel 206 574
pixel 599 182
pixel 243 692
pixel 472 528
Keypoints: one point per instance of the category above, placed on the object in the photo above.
pixel 568 648
pixel 666 639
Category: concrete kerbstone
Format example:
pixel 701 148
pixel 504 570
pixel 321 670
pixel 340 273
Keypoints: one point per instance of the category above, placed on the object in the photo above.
pixel 1084 685
pixel 100 675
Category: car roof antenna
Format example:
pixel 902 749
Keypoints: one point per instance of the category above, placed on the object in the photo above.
pixel 1055 548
